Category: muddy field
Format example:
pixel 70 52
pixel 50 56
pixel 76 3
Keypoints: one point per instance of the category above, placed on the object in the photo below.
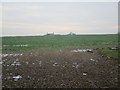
pixel 59 69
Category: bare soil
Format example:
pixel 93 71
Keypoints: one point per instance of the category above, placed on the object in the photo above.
pixel 59 69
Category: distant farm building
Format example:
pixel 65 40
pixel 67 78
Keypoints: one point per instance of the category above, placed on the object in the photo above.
pixel 71 33
pixel 49 34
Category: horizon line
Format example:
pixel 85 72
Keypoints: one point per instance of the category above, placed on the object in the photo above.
pixel 57 34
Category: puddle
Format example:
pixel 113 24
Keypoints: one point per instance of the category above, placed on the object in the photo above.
pixel 21 45
pixel 16 78
pixel 82 50
pixel 7 55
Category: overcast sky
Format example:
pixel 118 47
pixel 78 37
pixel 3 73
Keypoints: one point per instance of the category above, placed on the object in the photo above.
pixel 40 18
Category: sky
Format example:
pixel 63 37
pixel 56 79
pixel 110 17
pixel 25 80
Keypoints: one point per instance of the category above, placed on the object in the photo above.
pixel 20 19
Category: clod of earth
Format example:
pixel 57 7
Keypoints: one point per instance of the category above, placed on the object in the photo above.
pixel 33 63
pixel 16 63
pixel 40 62
pixel 27 62
pixel 0 76
pixel 8 77
pixel 1 62
pixel 75 65
pixel 16 78
pixel 55 64
pixel 92 59
pixel 119 65
pixel 5 55
pixel 83 50
pixel 84 74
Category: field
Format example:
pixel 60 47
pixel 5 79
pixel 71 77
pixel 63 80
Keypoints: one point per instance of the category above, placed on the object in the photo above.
pixel 58 42
pixel 60 61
